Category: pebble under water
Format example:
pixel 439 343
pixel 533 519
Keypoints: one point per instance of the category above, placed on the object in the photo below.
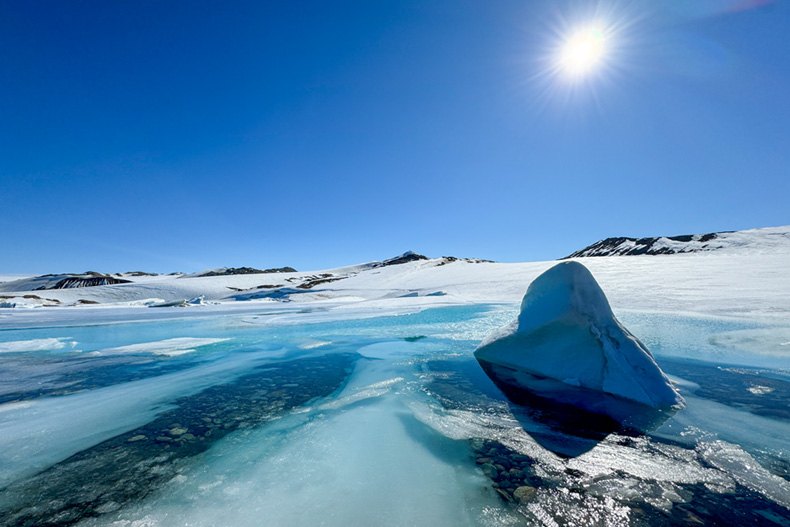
pixel 132 465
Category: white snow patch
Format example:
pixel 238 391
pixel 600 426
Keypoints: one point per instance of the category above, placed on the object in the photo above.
pixel 313 344
pixel 16 346
pixel 758 389
pixel 171 347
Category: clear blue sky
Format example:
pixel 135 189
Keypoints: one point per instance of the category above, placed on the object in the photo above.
pixel 184 135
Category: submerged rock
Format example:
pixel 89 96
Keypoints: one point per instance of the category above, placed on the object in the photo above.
pixel 524 494
pixel 567 332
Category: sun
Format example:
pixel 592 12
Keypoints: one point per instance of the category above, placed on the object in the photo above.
pixel 583 52
pixel 577 57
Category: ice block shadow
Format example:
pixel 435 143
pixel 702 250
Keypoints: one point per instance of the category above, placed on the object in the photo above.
pixel 577 418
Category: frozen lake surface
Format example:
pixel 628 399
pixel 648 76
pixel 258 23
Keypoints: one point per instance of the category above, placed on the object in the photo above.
pixel 301 418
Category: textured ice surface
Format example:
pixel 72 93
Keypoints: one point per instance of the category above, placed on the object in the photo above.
pixel 773 341
pixel 720 340
pixel 358 459
pixel 655 472
pixel 353 467
pixel 567 331
pixel 746 471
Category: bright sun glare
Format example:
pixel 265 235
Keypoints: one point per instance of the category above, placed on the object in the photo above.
pixel 583 52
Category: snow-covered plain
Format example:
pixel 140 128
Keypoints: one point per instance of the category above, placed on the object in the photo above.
pixel 351 397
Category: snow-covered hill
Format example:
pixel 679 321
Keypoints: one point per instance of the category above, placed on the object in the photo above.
pixel 63 281
pixel 226 271
pixel 747 276
pixel 760 240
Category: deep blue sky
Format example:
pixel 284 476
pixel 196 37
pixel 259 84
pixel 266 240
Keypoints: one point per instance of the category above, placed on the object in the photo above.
pixel 184 135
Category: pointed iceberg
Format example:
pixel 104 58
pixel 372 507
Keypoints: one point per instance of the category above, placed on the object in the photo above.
pixel 566 331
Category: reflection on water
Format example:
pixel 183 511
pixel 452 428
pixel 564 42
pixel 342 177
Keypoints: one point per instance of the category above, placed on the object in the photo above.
pixel 576 413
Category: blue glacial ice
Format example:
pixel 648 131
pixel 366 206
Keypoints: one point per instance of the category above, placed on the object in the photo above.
pixel 566 331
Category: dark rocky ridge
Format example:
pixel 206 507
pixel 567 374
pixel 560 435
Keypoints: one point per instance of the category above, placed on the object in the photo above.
pixel 323 279
pixel 247 270
pixel 444 260
pixel 410 256
pixel 625 246
pixel 89 279
pixel 406 257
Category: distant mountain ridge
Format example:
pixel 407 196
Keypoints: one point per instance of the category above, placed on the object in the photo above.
pixel 66 281
pixel 753 239
pixel 228 271
pixel 426 281
pixel 625 246
pixel 93 279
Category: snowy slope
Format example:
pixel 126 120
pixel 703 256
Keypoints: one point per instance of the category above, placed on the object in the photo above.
pixel 749 277
pixel 761 240
pixel 62 281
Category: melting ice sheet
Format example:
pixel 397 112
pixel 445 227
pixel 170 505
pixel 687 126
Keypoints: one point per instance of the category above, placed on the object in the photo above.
pixel 376 421
pixel 360 458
